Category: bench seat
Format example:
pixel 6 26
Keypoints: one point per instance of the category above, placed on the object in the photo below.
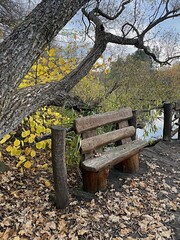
pixel 114 156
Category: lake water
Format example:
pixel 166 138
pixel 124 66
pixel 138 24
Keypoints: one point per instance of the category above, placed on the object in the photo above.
pixel 154 135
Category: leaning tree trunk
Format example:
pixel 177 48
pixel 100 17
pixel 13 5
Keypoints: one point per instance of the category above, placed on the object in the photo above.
pixel 20 50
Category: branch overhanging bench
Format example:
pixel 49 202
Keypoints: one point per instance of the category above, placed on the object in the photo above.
pixel 124 154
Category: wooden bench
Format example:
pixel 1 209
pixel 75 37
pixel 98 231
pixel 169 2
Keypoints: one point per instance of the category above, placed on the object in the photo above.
pixel 118 148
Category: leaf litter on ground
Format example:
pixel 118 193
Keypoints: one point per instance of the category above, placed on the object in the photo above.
pixel 143 207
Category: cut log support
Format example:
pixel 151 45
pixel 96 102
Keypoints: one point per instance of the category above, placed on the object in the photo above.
pixel 130 165
pixel 95 181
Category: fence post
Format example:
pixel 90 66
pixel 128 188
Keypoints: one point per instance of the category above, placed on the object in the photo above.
pixel 59 166
pixel 133 122
pixel 167 121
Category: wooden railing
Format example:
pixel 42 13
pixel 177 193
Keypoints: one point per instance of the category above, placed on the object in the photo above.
pixel 171 112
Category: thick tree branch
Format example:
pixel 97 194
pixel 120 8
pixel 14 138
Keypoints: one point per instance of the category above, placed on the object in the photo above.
pixel 27 100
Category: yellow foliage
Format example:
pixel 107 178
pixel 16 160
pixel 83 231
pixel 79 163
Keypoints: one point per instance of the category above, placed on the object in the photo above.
pixel 40 145
pixel 22 158
pixel 9 148
pixel 33 153
pixel 25 133
pixel 27 151
pixel 47 183
pixel 27 164
pixel 5 138
pixel 16 143
pixel 61 61
pixel 15 151
pixel 31 138
pixel 51 65
pixel 52 52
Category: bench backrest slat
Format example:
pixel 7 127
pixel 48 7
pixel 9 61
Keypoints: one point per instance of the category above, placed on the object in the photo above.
pixel 92 122
pixel 92 143
pixel 121 125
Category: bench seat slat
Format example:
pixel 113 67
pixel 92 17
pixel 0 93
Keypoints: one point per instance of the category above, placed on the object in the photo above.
pixel 114 156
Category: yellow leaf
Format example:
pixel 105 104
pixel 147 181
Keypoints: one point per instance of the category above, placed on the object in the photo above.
pixel 5 138
pixel 31 138
pixel 60 76
pixel 33 153
pixel 25 133
pixel 44 165
pixel 47 183
pixel 27 151
pixel 27 164
pixel 15 151
pixel 16 143
pixel 22 158
pixel 51 65
pixel 40 129
pixel 22 143
pixel 49 111
pixel 9 148
pixel 44 61
pixel 40 145
pixel 61 61
pixel 52 52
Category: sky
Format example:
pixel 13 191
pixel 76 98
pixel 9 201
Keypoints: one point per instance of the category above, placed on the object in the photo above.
pixel 76 23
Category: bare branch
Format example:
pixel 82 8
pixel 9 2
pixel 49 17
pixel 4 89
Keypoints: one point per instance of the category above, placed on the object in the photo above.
pixel 121 9
pixel 175 12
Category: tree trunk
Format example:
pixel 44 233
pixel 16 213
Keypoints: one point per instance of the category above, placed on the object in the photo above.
pixel 20 50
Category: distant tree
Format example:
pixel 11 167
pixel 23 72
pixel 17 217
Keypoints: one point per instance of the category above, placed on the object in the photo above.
pixel 139 55
pixel 28 40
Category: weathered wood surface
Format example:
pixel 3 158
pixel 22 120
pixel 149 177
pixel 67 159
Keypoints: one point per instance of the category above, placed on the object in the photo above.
pixel 91 122
pixel 130 165
pixel 94 142
pixel 114 156
pixel 59 166
pixel 121 125
pixel 167 121
pixel 85 135
pixel 95 181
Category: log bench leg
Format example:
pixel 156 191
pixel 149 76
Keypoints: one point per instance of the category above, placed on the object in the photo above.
pixel 95 181
pixel 129 165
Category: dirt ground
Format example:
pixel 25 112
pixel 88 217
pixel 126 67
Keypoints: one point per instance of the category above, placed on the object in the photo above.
pixel 144 205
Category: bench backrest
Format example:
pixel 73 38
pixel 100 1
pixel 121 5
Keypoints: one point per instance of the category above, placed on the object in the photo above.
pixel 92 141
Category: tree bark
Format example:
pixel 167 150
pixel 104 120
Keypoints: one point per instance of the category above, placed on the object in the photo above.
pixel 20 50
